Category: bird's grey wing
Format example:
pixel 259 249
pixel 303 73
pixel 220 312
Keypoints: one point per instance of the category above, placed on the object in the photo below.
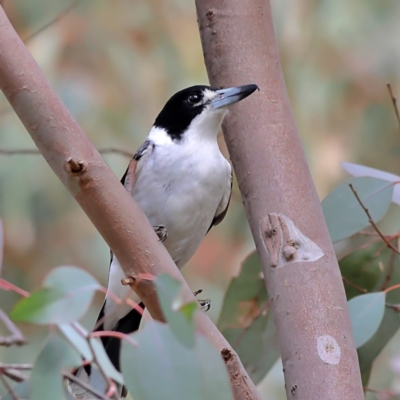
pixel 223 205
pixel 136 164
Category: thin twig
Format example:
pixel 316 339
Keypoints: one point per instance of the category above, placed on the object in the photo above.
pixel 14 375
pixel 8 388
pixel 119 335
pixel 59 16
pixel 391 288
pixel 16 336
pixel 111 388
pixel 371 221
pixel 84 385
pixel 19 367
pixel 105 150
pixel 5 285
pixel 118 302
pixel 394 102
pixel 12 371
pixel 345 280
pixel 395 307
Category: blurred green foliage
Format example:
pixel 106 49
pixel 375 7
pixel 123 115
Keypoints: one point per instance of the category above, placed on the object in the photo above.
pixel 115 63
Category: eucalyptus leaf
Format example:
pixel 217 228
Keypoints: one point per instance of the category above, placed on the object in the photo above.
pixel 362 170
pixel 104 361
pixel 366 313
pixel 65 297
pixel 361 270
pixel 40 307
pixel 178 314
pixel 343 213
pixel 246 323
pixel 162 367
pixel 77 340
pixel 369 351
pixel 46 382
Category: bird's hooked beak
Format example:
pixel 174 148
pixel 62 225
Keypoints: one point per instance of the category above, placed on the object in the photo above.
pixel 229 96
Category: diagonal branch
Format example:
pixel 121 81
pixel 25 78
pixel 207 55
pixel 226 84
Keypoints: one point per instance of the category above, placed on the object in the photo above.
pixel 110 207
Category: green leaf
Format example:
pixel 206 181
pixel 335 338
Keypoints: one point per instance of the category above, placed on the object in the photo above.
pixel 245 322
pixel 343 213
pixel 366 313
pixel 365 375
pixel 361 268
pixel 369 351
pixel 46 381
pixel 178 315
pixel 66 296
pixel 162 367
pixel 370 268
pixel 257 346
pixel 38 307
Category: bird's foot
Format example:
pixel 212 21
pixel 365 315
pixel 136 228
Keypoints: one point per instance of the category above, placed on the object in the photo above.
pixel 161 232
pixel 204 304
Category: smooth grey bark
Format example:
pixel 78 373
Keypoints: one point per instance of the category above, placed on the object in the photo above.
pixel 300 268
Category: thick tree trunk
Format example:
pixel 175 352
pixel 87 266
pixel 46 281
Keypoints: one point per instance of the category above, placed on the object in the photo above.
pixel 109 206
pixel 302 276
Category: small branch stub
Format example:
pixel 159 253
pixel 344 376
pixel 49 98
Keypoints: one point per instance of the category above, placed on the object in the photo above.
pixel 128 281
pixel 285 243
pixel 76 167
pixel 226 354
pixel 142 278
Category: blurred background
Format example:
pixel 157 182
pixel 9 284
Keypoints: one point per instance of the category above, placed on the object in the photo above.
pixel 115 63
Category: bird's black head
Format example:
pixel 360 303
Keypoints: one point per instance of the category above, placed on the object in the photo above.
pixel 184 106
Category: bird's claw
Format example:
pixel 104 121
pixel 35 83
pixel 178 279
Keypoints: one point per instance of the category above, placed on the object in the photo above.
pixel 204 304
pixel 161 232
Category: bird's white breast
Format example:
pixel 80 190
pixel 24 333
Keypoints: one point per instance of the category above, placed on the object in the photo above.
pixel 180 186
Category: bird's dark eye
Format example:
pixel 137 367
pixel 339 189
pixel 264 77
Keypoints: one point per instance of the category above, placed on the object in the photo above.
pixel 195 98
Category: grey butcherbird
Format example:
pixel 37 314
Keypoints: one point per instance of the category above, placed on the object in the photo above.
pixel 183 184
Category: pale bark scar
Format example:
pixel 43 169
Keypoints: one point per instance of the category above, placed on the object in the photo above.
pixel 285 243
pixel 328 349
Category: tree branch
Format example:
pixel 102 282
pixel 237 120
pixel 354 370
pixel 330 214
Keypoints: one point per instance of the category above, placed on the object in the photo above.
pixel 110 207
pixel 105 150
pixel 300 268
